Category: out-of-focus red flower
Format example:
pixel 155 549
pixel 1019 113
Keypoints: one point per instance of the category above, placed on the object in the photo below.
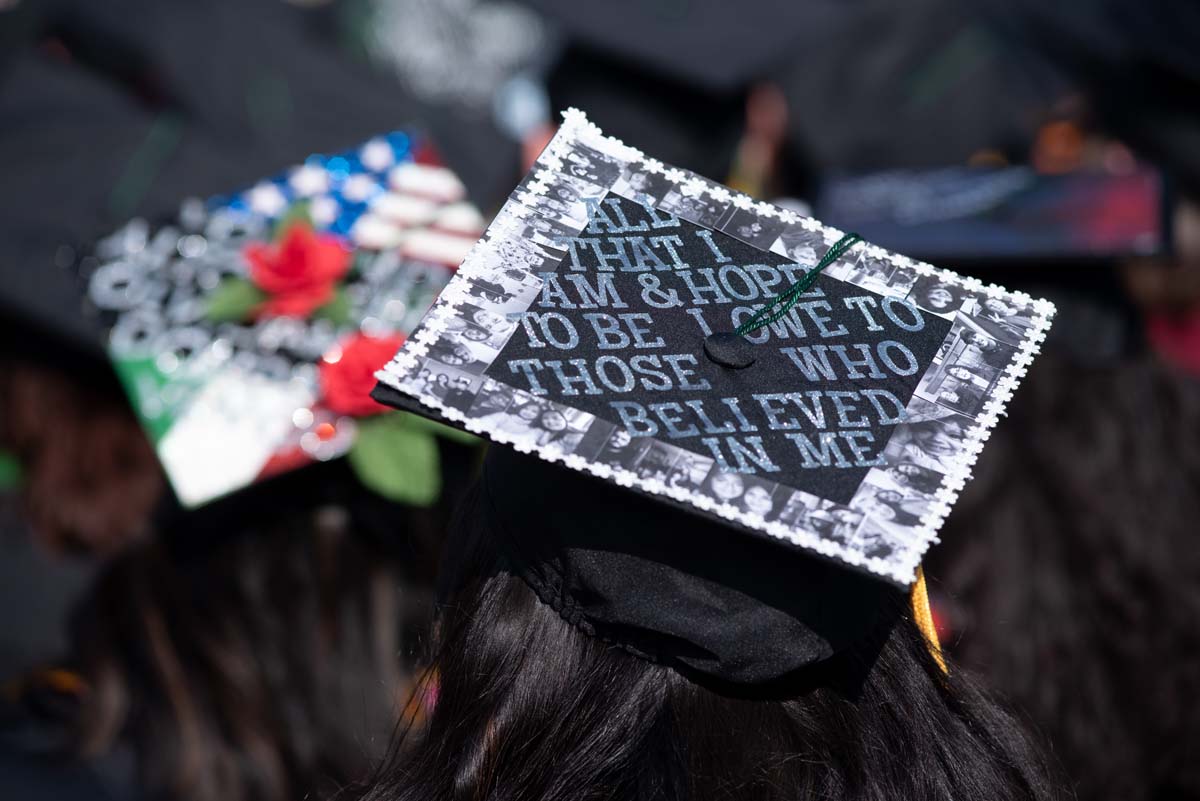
pixel 299 273
pixel 348 374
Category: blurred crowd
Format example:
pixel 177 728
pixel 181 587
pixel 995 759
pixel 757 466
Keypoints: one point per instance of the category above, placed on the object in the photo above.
pixel 265 645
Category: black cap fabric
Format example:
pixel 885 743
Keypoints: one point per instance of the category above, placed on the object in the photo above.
pixel 1136 63
pixel 240 91
pixel 674 587
pixel 682 342
pixel 709 44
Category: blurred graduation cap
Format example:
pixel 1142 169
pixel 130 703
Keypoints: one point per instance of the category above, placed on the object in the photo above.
pixel 675 73
pixel 246 330
pixel 707 44
pixel 647 344
pixel 110 121
pixel 1136 62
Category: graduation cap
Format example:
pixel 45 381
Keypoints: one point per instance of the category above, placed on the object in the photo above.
pixel 707 44
pixel 732 432
pixel 247 330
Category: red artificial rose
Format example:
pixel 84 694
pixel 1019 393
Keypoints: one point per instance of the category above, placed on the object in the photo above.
pixel 299 273
pixel 348 374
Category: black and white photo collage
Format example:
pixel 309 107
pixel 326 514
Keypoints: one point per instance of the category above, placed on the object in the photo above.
pixel 903 500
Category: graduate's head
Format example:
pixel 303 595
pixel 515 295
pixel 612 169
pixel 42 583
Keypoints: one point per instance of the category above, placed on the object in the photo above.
pixel 594 643
pixel 248 661
pixel 1071 566
pixel 616 627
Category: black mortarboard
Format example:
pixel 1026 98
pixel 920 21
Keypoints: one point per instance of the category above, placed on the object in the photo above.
pixel 708 44
pixel 1136 62
pixel 818 447
pixel 190 101
pixel 675 73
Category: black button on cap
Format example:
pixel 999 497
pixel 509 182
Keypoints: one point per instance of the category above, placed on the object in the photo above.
pixel 729 350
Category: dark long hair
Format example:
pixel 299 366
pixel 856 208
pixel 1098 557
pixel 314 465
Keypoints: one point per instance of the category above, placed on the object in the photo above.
pixel 90 476
pixel 529 707
pixel 258 665
pixel 1073 567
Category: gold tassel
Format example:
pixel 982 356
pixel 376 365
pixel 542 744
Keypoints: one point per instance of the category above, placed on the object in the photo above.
pixel 923 617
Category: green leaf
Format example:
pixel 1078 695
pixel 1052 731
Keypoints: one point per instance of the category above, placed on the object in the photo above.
pixel 444 431
pixel 234 300
pixel 298 213
pixel 337 311
pixel 397 460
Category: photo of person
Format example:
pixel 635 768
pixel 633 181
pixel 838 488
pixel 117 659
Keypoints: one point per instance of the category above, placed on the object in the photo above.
pixel 747 493
pixel 541 424
pixel 460 330
pixel 657 461
pixel 546 232
pixel 481 289
pixel 589 164
pixel 470 357
pixel 824 518
pixel 752 228
pixel 702 209
pixel 1001 321
pixel 875 540
pixel 919 410
pixel 460 391
pixel 801 245
pixel 975 376
pixel 489 320
pixel 690 471
pixel 879 275
pixel 889 507
pixel 447 383
pixel 961 398
pixel 933 444
pixel 520 415
pixel 797 509
pixel 938 296
pixel 622 449
pixel 641 185
pixel 916 478
pixel 492 399
pixel 966 369
pixel 834 523
pixel 560 205
pixel 524 255
pixel 980 349
pixel 503 311
pixel 421 380
pixel 575 190
pixel 562 429
pixel 503 288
